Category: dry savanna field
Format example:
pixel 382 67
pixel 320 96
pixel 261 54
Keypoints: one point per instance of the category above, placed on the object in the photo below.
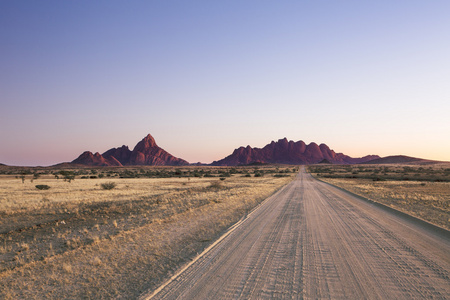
pixel 422 191
pixel 103 233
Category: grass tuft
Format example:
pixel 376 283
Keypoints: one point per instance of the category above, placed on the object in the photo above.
pixel 108 185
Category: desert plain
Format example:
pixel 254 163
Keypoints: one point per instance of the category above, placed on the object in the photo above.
pixel 80 240
pixel 119 232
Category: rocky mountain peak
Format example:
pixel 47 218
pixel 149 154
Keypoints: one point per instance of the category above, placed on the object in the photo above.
pixel 287 152
pixel 146 152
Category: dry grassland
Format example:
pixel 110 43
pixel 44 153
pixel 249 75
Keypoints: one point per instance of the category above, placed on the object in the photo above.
pixel 77 240
pixel 425 199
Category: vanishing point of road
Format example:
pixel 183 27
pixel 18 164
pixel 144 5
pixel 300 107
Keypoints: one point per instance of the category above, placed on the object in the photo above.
pixel 313 241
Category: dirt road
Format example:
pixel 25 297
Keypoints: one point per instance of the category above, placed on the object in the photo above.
pixel 311 240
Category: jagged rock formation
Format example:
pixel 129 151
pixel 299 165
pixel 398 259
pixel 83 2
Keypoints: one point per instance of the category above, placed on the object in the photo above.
pixel 288 152
pixel 122 154
pixel 90 159
pixel 146 152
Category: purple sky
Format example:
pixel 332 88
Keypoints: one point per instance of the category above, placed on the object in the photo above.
pixel 364 77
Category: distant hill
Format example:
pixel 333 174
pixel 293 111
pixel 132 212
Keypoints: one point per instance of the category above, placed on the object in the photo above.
pixel 289 152
pixel 400 159
pixel 146 152
pixel 63 165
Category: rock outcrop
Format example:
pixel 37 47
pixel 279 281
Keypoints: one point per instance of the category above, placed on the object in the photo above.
pixel 288 152
pixel 90 159
pixel 122 154
pixel 146 152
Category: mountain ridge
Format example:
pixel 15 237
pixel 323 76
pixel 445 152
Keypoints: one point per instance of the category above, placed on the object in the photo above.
pixel 283 151
pixel 288 152
pixel 146 152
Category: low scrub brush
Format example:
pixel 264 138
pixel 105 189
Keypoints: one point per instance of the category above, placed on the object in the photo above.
pixel 108 185
pixel 42 187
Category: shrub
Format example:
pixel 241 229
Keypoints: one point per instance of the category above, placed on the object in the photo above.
pixel 42 187
pixel 68 175
pixel 108 185
pixel 378 179
pixel 215 185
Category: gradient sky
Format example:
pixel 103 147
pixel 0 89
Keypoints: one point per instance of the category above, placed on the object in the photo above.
pixel 205 77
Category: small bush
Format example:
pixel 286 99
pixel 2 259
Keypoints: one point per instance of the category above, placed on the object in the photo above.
pixel 42 187
pixel 215 185
pixel 108 185
pixel 379 179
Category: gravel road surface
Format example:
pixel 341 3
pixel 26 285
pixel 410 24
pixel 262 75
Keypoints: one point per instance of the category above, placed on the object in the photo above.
pixel 313 241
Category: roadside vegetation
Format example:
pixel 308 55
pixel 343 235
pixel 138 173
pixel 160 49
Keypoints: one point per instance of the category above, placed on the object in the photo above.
pixel 424 173
pixel 419 190
pixel 107 232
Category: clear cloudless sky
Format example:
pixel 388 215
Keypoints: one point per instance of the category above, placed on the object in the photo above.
pixel 205 77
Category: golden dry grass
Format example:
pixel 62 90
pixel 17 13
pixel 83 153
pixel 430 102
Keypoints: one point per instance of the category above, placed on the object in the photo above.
pixel 15 196
pixel 429 201
pixel 77 240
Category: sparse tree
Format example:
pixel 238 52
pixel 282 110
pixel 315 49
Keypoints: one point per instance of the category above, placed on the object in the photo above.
pixel 68 175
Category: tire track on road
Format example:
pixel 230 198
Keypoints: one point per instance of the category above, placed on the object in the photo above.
pixel 311 240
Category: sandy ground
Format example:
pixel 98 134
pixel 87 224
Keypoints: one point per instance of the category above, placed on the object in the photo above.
pixel 311 241
pixel 78 241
